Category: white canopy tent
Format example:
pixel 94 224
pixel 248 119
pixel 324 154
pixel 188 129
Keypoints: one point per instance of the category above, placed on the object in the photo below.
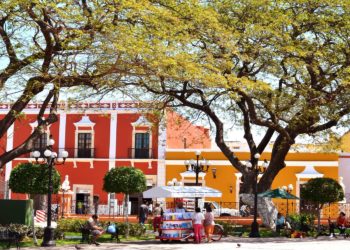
pixel 181 192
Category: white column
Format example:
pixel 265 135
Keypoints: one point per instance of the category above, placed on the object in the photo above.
pixel 8 168
pixel 62 132
pixel 343 171
pixel 238 182
pixel 161 171
pixel 113 140
pixel 112 146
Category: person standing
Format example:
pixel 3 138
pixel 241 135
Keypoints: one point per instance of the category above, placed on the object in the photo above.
pixel 209 223
pixel 197 220
pixel 180 207
pixel 143 213
pixel 80 207
pixel 157 217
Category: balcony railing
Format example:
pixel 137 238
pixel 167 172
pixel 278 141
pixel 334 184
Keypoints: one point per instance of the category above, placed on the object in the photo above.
pixel 140 153
pixel 72 152
pixel 133 153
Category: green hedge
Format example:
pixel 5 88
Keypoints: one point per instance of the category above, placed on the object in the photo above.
pixel 74 225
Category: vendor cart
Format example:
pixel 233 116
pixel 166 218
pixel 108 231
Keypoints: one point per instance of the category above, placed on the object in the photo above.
pixel 178 226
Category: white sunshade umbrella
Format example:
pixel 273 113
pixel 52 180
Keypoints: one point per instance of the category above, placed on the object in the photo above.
pixel 181 192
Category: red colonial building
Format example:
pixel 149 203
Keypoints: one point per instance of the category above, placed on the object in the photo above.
pixel 99 137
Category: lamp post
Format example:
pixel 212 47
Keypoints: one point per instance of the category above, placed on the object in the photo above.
pixel 288 189
pixel 50 158
pixel 254 232
pixel 65 188
pixel 197 167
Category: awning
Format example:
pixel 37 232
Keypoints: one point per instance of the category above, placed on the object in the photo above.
pixel 278 193
pixel 181 192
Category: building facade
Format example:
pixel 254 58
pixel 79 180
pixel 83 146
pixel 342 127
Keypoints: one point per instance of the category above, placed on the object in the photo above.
pixel 102 136
pixel 99 137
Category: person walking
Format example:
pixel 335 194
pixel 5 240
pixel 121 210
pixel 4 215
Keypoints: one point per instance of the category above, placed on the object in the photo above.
pixel 143 213
pixel 209 223
pixel 197 220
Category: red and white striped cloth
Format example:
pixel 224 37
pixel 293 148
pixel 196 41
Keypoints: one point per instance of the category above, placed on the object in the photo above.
pixel 40 216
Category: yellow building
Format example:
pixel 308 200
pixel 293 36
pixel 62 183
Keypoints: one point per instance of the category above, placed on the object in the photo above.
pixel 223 176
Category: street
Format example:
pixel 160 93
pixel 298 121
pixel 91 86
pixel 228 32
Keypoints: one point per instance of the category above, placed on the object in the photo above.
pixel 225 244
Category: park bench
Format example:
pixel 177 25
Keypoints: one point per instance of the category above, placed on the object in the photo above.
pixel 6 235
pixel 325 230
pixel 85 233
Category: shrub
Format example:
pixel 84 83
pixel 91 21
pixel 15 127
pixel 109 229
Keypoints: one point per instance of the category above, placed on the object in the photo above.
pixel 73 225
pixel 302 222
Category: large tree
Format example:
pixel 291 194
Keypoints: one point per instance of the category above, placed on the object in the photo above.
pixel 49 46
pixel 277 67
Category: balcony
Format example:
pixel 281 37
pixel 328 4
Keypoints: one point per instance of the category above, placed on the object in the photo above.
pixel 133 153
pixel 140 153
pixel 72 152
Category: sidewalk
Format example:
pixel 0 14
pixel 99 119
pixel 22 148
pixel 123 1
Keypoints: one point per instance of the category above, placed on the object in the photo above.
pixel 322 243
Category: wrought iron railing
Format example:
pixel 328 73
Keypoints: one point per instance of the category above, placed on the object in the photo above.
pixel 140 153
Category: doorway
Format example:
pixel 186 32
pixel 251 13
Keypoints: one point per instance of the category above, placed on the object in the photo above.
pixel 82 203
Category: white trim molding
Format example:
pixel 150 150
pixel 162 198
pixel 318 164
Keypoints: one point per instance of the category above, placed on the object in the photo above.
pixel 85 125
pixel 141 122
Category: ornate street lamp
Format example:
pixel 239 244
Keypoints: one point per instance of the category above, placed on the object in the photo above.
pixel 288 189
pixel 51 159
pixel 197 167
pixel 64 188
pixel 254 233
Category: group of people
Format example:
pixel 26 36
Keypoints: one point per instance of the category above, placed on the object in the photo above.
pixel 200 221
pixel 340 224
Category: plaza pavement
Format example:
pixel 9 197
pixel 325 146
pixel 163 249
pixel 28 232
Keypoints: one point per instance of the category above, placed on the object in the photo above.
pixel 322 243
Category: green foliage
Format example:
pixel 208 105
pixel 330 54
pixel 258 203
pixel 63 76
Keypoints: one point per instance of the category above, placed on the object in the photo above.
pixel 302 222
pixel 73 225
pixel 29 178
pixel 322 190
pixel 231 228
pixel 127 180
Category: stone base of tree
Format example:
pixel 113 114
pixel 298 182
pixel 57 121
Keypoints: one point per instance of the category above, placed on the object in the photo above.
pixel 266 209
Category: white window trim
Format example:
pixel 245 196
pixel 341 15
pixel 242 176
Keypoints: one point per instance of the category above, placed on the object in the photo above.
pixel 141 122
pixel 77 132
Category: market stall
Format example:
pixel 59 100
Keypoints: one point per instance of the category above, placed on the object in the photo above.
pixel 178 226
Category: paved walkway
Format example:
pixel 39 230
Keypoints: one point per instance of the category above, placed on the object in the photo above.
pixel 228 243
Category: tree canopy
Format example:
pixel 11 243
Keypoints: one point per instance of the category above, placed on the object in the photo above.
pixel 277 67
pixel 28 178
pixel 321 191
pixel 50 46
pixel 126 180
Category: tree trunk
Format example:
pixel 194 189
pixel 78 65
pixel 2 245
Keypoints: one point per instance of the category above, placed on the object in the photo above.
pixel 280 150
pixel 319 208
pixel 126 214
pixel 266 209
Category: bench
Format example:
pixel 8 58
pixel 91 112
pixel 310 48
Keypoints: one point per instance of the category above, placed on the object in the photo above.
pixel 10 237
pixel 328 230
pixel 85 233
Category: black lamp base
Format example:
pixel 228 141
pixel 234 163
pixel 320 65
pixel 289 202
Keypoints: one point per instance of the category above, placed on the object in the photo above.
pixel 254 233
pixel 49 237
